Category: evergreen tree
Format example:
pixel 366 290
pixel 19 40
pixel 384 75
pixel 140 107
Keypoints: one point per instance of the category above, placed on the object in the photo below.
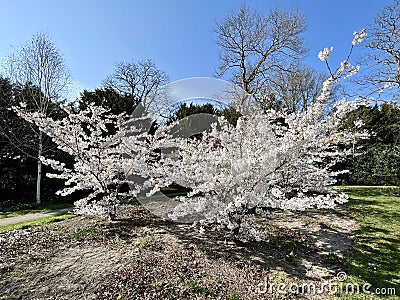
pixel 108 98
pixel 379 161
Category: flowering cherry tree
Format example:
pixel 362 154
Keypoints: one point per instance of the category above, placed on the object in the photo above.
pixel 107 151
pixel 262 163
pixel 269 160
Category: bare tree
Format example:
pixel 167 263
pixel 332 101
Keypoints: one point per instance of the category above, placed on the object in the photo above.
pixel 294 90
pixel 253 46
pixel 39 68
pixel 140 80
pixel 382 63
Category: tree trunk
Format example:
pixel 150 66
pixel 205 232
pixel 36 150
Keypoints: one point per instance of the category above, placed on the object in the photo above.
pixel 39 170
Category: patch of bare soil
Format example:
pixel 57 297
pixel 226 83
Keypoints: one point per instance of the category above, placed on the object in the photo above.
pixel 143 257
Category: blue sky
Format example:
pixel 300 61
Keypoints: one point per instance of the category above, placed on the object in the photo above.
pixel 177 35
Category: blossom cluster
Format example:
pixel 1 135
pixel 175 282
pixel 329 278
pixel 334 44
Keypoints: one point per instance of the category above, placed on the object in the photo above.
pixel 325 54
pixel 359 36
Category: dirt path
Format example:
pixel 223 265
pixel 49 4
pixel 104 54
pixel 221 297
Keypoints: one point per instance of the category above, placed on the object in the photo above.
pixel 33 216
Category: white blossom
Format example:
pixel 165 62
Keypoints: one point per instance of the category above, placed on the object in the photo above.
pixel 358 123
pixel 359 36
pixel 324 54
pixel 390 84
pixel 352 71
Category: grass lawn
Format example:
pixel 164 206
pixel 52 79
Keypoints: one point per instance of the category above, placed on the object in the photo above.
pixel 36 222
pixel 375 258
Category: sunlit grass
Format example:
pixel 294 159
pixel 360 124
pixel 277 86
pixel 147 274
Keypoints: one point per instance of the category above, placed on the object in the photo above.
pixel 375 258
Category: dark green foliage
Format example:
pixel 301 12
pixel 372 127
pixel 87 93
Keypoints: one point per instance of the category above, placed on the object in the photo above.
pixel 17 177
pixel 110 99
pixel 231 115
pixel 185 110
pixel 18 149
pixel 379 163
